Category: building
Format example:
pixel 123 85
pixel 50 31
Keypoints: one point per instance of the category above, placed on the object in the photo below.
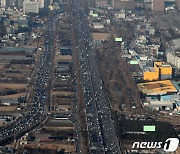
pixel 175 97
pixel 160 71
pixel 98 38
pixel 161 105
pixel 120 15
pixel 174 59
pixel 175 44
pixel 165 70
pixel 9 101
pixel 178 4
pixel 158 5
pixel 23 21
pixel 97 25
pixel 101 3
pixel 151 74
pixel 123 4
pixel 29 6
pixel 8 3
pixel 3 3
pixel 41 3
pixel 47 3
pixel 19 3
pixel 159 88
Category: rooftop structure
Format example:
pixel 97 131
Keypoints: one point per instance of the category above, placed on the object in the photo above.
pixel 158 87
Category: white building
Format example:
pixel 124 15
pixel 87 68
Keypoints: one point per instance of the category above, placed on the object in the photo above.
pixel 173 59
pixel 98 25
pixel 41 3
pixel 3 3
pixel 166 105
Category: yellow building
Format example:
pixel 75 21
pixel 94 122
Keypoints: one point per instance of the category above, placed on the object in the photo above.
pixel 151 74
pixel 165 70
pixel 160 71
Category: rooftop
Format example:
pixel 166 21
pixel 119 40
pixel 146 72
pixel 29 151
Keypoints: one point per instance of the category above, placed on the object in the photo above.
pixel 100 36
pixel 157 87
pixel 150 69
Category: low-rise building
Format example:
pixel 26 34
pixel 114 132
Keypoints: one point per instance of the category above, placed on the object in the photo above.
pixel 161 105
pixel 98 25
pixel 159 88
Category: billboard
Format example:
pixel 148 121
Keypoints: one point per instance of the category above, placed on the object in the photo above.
pixel 95 15
pixel 149 128
pixel 118 39
pixel 133 62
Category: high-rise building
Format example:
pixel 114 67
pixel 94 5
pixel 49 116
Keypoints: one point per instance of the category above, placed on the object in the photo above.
pixel 158 5
pixel 174 59
pixel 178 4
pixel 3 3
pixel 47 3
pixel 19 3
pixel 41 3
pixel 31 6
pixel 8 3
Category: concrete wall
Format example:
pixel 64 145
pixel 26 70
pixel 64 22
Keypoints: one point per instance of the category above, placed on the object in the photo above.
pixel 165 76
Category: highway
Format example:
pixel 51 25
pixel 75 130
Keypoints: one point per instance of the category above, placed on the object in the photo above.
pixel 101 132
pixel 38 110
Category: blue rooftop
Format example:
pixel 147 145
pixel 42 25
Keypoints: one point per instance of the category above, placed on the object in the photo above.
pixel 175 85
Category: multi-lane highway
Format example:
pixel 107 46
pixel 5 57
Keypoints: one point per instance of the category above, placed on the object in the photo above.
pixel 101 133
pixel 38 111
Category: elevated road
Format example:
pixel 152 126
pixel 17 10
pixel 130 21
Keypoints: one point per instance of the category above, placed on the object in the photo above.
pixel 38 110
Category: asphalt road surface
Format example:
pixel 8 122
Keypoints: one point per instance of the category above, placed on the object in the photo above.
pixel 101 132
